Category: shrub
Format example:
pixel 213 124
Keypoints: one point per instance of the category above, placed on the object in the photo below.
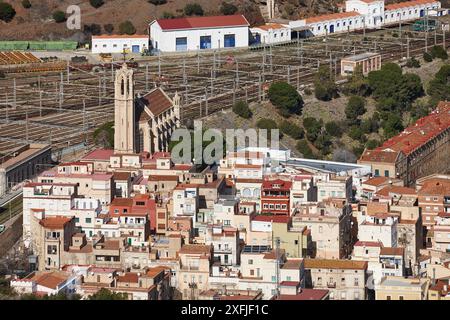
pixel 286 98
pixel 193 9
pixel 303 147
pixel 228 8
pixel 109 28
pixel 157 2
pixel 96 3
pixel 333 129
pixel 313 128
pixel 439 52
pixel 7 12
pixel 267 124
pixel 413 63
pixel 355 133
pixel 355 107
pixel 127 27
pixel 439 86
pixel 372 144
pixel 93 29
pixel 59 16
pixel 241 109
pixel 291 129
pixel 307 91
pixel 427 57
pixel 167 15
pixel 324 84
pixel 26 4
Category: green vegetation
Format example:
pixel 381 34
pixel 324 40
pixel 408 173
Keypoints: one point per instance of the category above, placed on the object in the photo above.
pixel 285 98
pixel 356 107
pixel 333 129
pixel 105 294
pixel 104 136
pixel 303 147
pixel 313 128
pixel 357 84
pixel 392 125
pixel 59 16
pixel 439 52
pixel 26 4
pixel 7 12
pixel 167 15
pixel 268 124
pixel 228 8
pixel 439 86
pixel 109 28
pixel 291 129
pixel 241 109
pixel 427 57
pixel 193 9
pixel 324 84
pixel 96 3
pixel 413 63
pixel 127 27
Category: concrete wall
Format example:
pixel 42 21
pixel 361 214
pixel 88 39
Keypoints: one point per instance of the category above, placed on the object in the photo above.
pixel 10 236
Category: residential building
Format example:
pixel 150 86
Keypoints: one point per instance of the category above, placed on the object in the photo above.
pixel 400 288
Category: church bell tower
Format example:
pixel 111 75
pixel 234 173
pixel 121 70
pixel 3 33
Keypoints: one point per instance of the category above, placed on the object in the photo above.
pixel 124 113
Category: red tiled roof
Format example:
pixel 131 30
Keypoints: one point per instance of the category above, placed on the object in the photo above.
pixel 99 154
pixel 379 156
pixel 396 189
pixel 273 26
pixel 376 181
pixel 368 244
pixel 306 294
pixel 157 102
pixel 392 251
pixel 407 4
pixel 56 222
pixel 332 16
pixel 436 187
pixel 129 277
pixel 276 219
pixel 203 22
pixel 335 264
pixel 420 132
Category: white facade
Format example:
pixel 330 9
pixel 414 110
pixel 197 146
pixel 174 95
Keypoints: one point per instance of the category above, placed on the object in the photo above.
pixel 382 230
pixel 119 43
pixel 371 10
pixel 415 10
pixel 271 33
pixel 201 33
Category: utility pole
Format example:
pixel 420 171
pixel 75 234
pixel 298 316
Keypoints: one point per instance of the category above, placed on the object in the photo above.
pixel 277 252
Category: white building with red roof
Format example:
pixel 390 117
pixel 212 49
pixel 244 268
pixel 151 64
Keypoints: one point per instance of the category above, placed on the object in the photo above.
pixel 199 33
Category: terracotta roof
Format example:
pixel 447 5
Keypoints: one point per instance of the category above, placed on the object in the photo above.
pixel 157 101
pixel 271 26
pixel 388 251
pixel 121 175
pixel 50 280
pixel 293 264
pixel 273 254
pixel 396 189
pixel 273 218
pixel 368 244
pixel 422 131
pixel 57 222
pixel 332 16
pixel 195 249
pixel 306 294
pixel 202 22
pixel 335 264
pixel 379 156
pixel 130 277
pixel 376 181
pixel 436 187
pixel 290 283
pixel 122 202
pixel 407 4
pixel 162 178
pixel 99 154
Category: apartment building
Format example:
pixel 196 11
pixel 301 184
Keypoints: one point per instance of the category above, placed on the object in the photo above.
pixel 226 244
pixel 400 288
pixel 334 186
pixel 434 198
pixel 346 279
pixel 379 227
pixel 330 227
pixel 275 197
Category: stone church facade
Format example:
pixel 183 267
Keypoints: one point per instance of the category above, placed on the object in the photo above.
pixel 142 124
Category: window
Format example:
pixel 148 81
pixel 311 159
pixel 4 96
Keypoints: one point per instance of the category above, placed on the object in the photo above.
pixel 356 282
pixel 388 297
pixel 52 249
pixel 274 278
pixel 386 173
pixel 400 298
pixel 205 42
pixel 229 41
pixel 88 220
pixel 181 44
pixel 250 261
pixel 377 172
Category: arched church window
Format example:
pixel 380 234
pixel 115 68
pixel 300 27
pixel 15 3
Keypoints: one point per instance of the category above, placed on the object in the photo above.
pixel 122 87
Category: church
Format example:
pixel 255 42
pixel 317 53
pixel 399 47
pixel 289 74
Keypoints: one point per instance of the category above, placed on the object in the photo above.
pixel 144 123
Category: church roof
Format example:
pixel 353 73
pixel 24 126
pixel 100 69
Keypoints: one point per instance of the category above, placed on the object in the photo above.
pixel 157 101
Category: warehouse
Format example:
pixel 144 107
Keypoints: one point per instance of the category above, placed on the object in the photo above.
pixel 199 33
pixel 369 61
pixel 119 43
pixel 271 33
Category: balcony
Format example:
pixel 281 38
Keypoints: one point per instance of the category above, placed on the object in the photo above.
pixel 331 285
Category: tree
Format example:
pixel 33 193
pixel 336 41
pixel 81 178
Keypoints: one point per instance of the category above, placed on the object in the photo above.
pixel 96 3
pixel 92 29
pixel 104 136
pixel 7 12
pixel 439 86
pixel 193 9
pixel 355 133
pixel 303 147
pixel 291 129
pixel 333 129
pixel 109 28
pixel 127 27
pixel 286 98
pixel 324 84
pixel 427 57
pixel 267 124
pixel 105 294
pixel 313 128
pixel 413 63
pixel 228 8
pixel 357 84
pixel 59 16
pixel 355 108
pixel 392 125
pixel 157 2
pixel 241 109
pixel 26 4
pixel 439 52
pixel 372 144
pixel 323 143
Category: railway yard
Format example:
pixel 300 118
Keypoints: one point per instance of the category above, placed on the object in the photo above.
pixel 63 107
